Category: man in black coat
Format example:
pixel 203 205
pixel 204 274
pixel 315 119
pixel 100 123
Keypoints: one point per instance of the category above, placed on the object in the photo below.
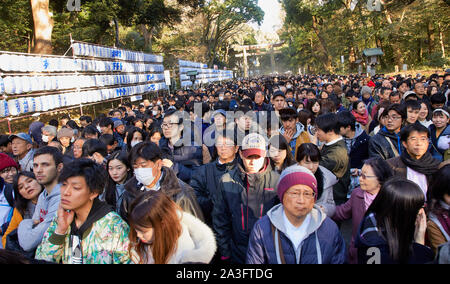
pixel 150 174
pixel 205 180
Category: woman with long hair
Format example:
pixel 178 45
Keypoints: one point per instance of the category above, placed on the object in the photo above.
pixel 373 175
pixel 280 153
pixel 26 192
pixel 119 172
pixel 394 226
pixel 161 233
pixel 308 156
pixel 314 106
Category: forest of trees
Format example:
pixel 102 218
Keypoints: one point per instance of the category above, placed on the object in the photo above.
pixel 412 32
pixel 316 32
pixel 198 30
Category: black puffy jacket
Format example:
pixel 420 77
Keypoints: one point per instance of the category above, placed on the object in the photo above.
pixel 205 182
pixel 180 192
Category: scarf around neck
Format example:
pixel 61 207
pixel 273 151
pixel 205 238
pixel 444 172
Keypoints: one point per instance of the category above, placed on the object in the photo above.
pixel 426 165
pixel 363 119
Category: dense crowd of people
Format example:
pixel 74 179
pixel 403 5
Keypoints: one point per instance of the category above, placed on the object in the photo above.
pixel 253 171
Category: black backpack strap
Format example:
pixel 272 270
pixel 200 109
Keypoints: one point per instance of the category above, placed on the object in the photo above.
pixel 9 194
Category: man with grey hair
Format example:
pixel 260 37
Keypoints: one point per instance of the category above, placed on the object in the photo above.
pixel 49 133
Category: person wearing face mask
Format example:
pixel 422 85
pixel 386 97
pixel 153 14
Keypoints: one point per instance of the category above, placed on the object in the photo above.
pixel 157 112
pixel 150 174
pixel 49 134
pixel 135 136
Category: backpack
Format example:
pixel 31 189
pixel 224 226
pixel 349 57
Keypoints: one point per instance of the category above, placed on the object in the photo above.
pixel 9 194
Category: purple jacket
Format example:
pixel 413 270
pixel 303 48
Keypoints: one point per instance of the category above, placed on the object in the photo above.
pixel 354 209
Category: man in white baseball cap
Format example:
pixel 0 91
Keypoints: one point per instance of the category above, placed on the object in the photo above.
pixel 248 192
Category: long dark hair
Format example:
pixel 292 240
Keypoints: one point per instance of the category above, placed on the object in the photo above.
pixel 396 207
pixel 21 204
pixel 110 188
pixel 130 134
pixel 279 142
pixel 312 153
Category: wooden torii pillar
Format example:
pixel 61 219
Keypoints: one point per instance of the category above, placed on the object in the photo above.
pixel 244 54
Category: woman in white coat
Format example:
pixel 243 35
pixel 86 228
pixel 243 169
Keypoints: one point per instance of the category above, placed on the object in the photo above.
pixel 308 156
pixel 161 233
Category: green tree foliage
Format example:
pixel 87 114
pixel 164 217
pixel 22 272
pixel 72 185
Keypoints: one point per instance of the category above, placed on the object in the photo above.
pixel 408 31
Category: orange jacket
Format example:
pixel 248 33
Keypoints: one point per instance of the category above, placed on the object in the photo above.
pixel 14 224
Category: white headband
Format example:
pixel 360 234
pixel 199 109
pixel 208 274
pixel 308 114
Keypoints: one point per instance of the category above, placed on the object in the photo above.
pixel 441 110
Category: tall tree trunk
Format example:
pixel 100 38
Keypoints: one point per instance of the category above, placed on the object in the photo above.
pixel 430 36
pixel 326 58
pixel 148 36
pixel 43 26
pixel 441 40
pixel 116 26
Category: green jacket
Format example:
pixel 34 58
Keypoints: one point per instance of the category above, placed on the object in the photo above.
pixel 335 158
pixel 105 242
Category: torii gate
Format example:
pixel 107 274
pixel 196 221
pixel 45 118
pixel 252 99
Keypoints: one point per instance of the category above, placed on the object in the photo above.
pixel 246 48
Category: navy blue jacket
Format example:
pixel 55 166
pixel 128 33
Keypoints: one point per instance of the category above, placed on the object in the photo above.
pixel 324 243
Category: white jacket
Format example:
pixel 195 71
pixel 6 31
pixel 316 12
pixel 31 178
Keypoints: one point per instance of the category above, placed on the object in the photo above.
pixel 196 244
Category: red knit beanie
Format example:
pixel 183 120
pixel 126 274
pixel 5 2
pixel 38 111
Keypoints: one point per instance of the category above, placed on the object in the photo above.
pixel 295 175
pixel 6 162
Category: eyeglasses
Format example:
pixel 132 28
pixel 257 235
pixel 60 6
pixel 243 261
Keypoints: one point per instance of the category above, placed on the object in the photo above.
pixel 363 176
pixel 306 194
pixel 393 117
pixel 10 170
pixel 168 125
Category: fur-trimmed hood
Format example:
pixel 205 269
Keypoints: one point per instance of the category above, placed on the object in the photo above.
pixel 196 244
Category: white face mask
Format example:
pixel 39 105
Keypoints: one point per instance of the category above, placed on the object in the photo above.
pixel 158 103
pixel 144 176
pixel 155 113
pixel 134 143
pixel 99 129
pixel 45 138
pixel 221 98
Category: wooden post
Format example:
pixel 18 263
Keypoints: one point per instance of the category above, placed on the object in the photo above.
pixel 9 127
pixel 245 64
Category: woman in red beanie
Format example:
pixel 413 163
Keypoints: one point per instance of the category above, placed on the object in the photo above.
pixel 8 168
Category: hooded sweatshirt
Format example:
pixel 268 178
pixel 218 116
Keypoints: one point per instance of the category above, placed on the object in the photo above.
pixel 102 239
pixel 30 235
pixel 322 242
pixel 300 137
